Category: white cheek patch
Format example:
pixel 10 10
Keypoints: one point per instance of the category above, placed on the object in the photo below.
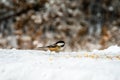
pixel 60 44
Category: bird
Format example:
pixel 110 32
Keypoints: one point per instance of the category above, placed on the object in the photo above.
pixel 56 47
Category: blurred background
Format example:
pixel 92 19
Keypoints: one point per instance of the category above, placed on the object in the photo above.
pixel 82 24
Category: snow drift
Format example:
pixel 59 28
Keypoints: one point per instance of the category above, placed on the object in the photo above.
pixel 41 65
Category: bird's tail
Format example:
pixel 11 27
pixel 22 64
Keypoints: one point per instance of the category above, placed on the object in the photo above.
pixel 42 48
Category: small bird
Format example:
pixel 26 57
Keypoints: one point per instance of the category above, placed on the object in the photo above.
pixel 58 46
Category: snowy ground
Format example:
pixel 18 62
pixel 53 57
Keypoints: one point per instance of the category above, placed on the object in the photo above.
pixel 41 65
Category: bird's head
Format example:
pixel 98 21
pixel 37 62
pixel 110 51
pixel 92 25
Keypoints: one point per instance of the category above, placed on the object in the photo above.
pixel 60 43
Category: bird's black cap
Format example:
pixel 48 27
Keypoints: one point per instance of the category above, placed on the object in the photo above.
pixel 60 43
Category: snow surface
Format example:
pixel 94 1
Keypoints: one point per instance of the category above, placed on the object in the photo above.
pixel 41 65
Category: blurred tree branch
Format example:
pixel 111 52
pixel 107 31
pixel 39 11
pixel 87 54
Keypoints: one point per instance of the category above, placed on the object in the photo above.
pixel 19 7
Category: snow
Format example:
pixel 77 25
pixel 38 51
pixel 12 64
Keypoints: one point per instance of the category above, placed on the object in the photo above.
pixel 46 65
pixel 111 50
